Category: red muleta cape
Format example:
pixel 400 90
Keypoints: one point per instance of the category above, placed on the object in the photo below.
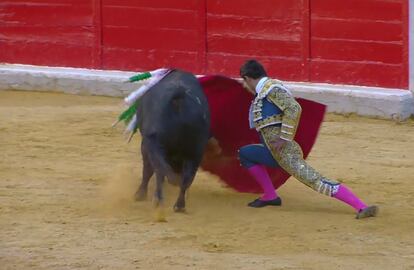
pixel 229 107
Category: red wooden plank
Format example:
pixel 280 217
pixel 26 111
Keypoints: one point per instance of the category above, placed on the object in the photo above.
pixel 358 9
pixel 246 46
pixel 51 34
pixel 349 50
pixel 41 2
pixel 140 60
pixel 150 18
pixel 158 4
pixel 253 27
pixel 229 64
pixel 354 73
pixel 50 14
pixel 163 39
pixel 357 30
pixel 286 9
pixel 38 53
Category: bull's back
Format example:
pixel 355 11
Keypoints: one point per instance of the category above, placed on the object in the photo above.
pixel 175 112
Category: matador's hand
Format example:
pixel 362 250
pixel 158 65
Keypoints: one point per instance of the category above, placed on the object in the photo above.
pixel 278 144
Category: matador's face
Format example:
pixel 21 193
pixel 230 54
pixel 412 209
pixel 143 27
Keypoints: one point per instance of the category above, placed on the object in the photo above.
pixel 249 85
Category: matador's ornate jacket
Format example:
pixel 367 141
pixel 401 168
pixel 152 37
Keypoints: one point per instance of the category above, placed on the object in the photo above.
pixel 275 114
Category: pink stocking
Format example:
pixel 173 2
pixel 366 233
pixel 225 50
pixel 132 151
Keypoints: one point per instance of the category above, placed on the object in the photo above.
pixel 346 195
pixel 262 178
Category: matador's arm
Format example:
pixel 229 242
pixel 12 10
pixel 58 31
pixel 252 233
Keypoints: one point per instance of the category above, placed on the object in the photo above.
pixel 282 98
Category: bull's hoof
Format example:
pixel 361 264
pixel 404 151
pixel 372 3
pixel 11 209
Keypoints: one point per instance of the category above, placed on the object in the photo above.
pixel 140 195
pixel 179 206
pixel 160 215
pixel 179 209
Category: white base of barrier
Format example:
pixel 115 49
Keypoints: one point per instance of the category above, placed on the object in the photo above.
pixel 394 104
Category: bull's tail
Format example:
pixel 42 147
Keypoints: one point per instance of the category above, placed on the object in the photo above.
pixel 177 100
pixel 157 158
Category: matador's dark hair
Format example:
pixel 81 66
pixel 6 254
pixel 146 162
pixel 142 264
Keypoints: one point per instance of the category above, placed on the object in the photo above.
pixel 252 69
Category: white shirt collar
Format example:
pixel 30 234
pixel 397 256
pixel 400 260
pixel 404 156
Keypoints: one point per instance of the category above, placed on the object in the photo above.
pixel 260 84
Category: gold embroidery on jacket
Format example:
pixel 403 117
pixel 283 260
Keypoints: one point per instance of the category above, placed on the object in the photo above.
pixel 268 121
pixel 291 109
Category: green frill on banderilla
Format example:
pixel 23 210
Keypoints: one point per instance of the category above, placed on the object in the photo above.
pixel 129 116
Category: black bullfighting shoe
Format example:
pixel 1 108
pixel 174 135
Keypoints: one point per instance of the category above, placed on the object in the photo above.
pixel 259 203
pixel 370 211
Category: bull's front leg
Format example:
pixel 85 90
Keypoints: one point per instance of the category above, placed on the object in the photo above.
pixel 147 172
pixel 189 170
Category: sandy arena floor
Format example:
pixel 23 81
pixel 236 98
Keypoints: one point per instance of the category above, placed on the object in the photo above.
pixel 67 180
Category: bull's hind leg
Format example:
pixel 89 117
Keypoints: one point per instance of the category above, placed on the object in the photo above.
pixel 188 173
pixel 156 159
pixel 147 172
pixel 159 198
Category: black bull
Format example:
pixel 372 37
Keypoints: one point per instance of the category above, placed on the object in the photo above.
pixel 174 121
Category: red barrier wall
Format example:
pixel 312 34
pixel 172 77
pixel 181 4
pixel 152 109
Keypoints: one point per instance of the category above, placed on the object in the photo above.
pixel 352 42
pixel 149 34
pixel 360 42
pixel 276 33
pixel 46 32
